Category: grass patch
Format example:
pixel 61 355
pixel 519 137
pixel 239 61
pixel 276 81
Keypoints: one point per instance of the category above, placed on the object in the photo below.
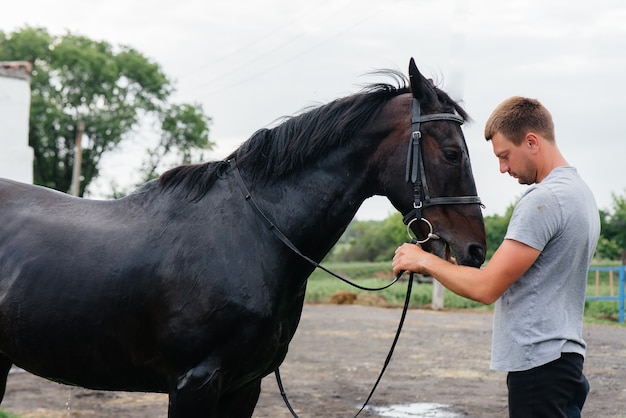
pixel 322 286
pixel 600 284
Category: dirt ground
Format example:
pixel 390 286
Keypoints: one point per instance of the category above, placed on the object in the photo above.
pixel 335 357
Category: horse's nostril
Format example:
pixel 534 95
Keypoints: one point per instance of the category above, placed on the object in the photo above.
pixel 477 254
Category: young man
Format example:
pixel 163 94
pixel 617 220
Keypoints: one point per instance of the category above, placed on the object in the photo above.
pixel 538 275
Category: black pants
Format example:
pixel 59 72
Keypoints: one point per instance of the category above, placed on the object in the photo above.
pixel 555 390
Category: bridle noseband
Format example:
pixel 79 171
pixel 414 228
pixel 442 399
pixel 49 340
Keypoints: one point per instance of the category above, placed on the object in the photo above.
pixel 416 173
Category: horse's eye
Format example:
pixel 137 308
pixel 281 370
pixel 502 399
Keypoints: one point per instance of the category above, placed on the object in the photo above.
pixel 452 156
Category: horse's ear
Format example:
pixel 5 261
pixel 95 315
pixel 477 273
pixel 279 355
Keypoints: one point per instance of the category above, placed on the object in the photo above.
pixel 420 87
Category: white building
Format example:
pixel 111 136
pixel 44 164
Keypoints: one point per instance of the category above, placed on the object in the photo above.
pixel 16 156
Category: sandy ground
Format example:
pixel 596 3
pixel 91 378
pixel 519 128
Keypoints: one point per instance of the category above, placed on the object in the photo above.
pixel 335 357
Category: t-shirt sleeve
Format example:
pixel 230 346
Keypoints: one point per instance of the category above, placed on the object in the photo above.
pixel 535 219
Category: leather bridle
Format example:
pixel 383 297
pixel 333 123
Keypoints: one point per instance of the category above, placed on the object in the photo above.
pixel 416 173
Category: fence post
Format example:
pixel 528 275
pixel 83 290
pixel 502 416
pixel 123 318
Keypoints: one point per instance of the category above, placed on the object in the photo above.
pixel 438 295
pixel 622 277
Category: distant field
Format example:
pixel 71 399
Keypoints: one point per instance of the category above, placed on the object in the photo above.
pixel 322 287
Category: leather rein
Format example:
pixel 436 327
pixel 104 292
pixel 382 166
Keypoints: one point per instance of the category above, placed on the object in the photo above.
pixel 416 174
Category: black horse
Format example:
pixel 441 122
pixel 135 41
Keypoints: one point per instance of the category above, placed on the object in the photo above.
pixel 182 288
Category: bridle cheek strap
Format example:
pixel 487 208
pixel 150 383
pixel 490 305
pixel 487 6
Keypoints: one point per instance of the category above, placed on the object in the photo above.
pixel 416 174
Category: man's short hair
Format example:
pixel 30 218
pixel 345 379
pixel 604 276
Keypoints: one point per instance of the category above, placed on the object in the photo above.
pixel 517 116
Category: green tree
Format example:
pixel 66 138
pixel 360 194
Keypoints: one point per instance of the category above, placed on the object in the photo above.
pixel 184 129
pixel 495 228
pixel 613 229
pixel 371 240
pixel 77 82
pixel 396 230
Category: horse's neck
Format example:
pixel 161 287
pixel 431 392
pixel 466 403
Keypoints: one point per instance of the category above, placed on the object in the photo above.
pixel 312 209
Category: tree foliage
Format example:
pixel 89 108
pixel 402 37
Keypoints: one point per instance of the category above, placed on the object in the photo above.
pixel 377 240
pixel 495 228
pixel 76 81
pixel 371 240
pixel 613 230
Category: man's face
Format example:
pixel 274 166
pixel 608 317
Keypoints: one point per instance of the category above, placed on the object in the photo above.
pixel 514 160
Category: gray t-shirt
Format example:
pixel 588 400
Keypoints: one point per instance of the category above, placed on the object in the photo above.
pixel 540 315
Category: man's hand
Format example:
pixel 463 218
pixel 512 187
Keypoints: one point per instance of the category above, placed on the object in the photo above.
pixel 411 257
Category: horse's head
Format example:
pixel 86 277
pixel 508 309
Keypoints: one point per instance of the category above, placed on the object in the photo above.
pixel 439 200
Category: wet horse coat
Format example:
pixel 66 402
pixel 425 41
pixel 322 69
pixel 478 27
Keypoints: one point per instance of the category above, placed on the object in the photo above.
pixel 180 287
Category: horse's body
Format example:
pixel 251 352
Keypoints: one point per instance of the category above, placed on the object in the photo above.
pixel 180 287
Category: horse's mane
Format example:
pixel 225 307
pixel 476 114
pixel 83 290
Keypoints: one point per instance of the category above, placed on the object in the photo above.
pixel 273 152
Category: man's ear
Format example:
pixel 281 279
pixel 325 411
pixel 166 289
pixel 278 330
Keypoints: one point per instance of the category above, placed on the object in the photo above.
pixel 531 141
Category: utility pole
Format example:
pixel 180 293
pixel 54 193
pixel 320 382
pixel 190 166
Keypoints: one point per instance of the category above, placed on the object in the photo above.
pixel 78 159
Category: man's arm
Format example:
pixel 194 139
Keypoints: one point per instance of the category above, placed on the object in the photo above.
pixel 485 285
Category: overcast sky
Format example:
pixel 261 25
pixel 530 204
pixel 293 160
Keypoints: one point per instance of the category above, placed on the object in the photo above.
pixel 251 62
